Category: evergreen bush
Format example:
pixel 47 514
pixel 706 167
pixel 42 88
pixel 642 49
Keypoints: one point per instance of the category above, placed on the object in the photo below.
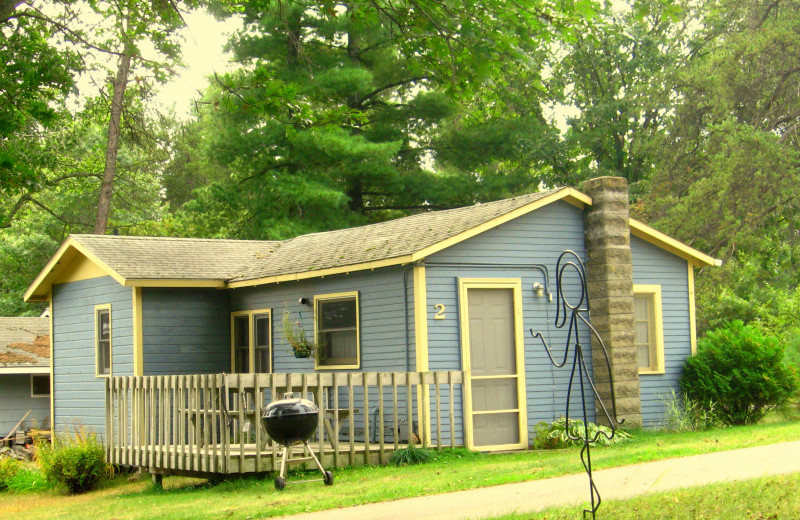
pixel 739 374
pixel 74 460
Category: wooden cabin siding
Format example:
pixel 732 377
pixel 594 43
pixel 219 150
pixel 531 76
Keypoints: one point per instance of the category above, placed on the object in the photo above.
pixel 536 238
pixel 654 266
pixel 79 396
pixel 16 400
pixel 381 328
pixel 384 346
pixel 185 331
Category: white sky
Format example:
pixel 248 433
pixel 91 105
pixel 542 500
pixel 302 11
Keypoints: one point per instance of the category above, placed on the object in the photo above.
pixel 202 53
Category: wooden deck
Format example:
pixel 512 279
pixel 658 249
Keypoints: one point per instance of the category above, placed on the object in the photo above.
pixel 172 459
pixel 209 424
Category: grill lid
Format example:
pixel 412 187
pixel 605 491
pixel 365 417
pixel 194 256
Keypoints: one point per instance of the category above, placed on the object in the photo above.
pixel 289 407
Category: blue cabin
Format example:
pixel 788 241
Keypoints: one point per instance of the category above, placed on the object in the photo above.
pixel 456 291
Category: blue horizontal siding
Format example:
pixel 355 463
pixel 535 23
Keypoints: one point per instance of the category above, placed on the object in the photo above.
pixel 185 331
pixel 382 326
pixel 16 400
pixel 536 238
pixel 654 266
pixel 79 396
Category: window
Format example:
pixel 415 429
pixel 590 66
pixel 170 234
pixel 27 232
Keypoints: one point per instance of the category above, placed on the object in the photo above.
pixel 336 330
pixel 40 385
pixel 251 341
pixel 102 339
pixel 648 333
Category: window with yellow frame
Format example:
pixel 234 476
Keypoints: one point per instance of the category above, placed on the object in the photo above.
pixel 648 328
pixel 251 341
pixel 102 340
pixel 336 329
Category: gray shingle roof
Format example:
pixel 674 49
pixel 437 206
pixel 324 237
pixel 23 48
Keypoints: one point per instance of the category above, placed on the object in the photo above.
pixel 382 241
pixel 160 258
pixel 24 342
pixel 175 258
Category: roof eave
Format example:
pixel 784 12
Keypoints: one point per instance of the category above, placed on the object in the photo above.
pixel 39 289
pixel 176 282
pixel 688 253
pixel 24 370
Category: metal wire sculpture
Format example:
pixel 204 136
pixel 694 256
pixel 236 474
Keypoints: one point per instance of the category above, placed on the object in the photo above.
pixel 570 262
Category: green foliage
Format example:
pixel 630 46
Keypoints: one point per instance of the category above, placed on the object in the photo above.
pixel 28 480
pixel 739 373
pixel 296 336
pixel 564 433
pixel 340 117
pixel 73 460
pixel 8 470
pixel 684 414
pixel 410 456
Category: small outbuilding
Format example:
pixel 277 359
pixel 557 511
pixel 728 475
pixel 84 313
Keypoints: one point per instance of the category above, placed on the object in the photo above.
pixel 24 374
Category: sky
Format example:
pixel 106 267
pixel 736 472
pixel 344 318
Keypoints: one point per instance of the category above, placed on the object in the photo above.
pixel 203 55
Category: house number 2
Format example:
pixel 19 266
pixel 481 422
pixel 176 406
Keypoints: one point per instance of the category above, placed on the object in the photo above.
pixel 439 312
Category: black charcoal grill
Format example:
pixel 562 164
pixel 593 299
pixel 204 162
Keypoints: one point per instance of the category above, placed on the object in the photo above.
pixel 289 422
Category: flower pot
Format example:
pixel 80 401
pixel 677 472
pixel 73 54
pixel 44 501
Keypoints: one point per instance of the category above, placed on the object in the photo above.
pixel 301 354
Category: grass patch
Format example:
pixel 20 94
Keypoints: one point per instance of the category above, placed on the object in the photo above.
pixel 774 498
pixel 252 497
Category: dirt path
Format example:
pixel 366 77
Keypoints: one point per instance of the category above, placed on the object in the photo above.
pixel 615 483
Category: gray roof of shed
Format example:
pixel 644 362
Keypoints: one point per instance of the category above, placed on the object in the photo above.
pixel 24 342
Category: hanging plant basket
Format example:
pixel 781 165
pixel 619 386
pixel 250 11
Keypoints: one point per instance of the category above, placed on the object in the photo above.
pixel 301 354
pixel 302 348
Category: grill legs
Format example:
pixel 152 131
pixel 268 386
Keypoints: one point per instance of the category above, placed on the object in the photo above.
pixel 280 481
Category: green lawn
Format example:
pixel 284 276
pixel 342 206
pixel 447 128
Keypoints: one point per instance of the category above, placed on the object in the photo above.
pixel 256 498
pixel 768 498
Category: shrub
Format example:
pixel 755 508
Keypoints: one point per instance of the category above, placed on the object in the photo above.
pixel 8 470
pixel 738 373
pixel 684 414
pixel 410 455
pixel 551 436
pixel 74 460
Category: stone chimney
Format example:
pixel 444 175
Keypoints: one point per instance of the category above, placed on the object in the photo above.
pixel 610 285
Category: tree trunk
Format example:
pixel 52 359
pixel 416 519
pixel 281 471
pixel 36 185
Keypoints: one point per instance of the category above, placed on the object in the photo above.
pixel 107 186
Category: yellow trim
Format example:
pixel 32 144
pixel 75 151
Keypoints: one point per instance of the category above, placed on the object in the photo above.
pixel 138 333
pixel 105 306
pixel 570 195
pixel 60 261
pixel 251 345
pixel 52 368
pixel 515 284
pixel 337 296
pixel 81 268
pixel 305 275
pixel 39 396
pixel 657 327
pixel 156 282
pixel 692 310
pixel 655 237
pixel 421 344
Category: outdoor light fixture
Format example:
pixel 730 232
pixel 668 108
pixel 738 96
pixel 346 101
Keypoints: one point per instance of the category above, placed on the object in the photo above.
pixel 540 291
pixel 303 301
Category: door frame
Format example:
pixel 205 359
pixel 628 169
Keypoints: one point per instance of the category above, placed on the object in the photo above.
pixel 515 284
